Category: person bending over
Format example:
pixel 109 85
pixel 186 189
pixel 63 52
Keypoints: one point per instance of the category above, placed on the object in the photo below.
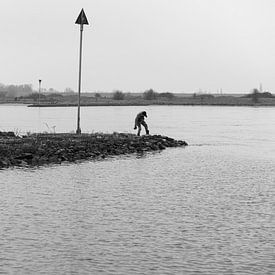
pixel 140 121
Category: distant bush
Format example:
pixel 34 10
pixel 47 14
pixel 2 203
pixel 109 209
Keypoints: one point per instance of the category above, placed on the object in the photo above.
pixel 256 93
pixel 34 96
pixel 97 96
pixel 150 94
pixel 16 90
pixel 166 95
pixel 58 95
pixel 202 96
pixel 118 95
pixel 266 95
pixel 2 94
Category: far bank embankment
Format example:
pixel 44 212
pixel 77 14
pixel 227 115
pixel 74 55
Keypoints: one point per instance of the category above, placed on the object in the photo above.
pixel 184 101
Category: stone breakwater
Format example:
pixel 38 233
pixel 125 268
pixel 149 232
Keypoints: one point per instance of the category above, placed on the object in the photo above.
pixel 41 149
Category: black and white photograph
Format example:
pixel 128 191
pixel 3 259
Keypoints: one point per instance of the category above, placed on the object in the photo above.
pixel 137 137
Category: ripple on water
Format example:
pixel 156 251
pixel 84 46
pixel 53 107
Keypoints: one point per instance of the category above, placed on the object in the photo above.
pixel 182 211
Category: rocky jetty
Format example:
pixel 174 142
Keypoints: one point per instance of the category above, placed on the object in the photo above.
pixel 41 149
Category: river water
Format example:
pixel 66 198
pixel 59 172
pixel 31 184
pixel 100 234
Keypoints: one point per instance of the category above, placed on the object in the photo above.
pixel 205 209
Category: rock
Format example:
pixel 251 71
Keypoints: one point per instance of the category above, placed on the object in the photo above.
pixel 26 156
pixel 3 164
pixel 161 146
pixel 60 151
pixel 182 143
pixel 154 147
pixel 53 159
pixel 43 160
pixel 22 163
pixel 39 149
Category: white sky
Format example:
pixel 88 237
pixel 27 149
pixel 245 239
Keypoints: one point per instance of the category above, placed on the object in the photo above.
pixel 133 45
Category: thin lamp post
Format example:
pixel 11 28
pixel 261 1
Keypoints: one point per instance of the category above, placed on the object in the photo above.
pixel 81 20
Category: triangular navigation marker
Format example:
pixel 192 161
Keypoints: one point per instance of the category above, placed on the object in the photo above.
pixel 82 19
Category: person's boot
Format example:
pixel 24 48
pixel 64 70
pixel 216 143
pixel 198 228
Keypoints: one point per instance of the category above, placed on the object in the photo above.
pixel 147 132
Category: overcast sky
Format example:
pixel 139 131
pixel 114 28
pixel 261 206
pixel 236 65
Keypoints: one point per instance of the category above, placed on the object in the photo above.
pixel 133 45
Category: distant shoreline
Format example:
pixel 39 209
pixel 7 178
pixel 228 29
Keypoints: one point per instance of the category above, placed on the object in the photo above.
pixel 148 98
pixel 153 104
pixel 206 100
pixel 125 105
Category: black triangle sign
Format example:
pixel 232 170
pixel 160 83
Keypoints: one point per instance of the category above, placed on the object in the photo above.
pixel 82 19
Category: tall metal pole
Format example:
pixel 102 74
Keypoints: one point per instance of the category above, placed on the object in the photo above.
pixel 78 130
pixel 81 20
